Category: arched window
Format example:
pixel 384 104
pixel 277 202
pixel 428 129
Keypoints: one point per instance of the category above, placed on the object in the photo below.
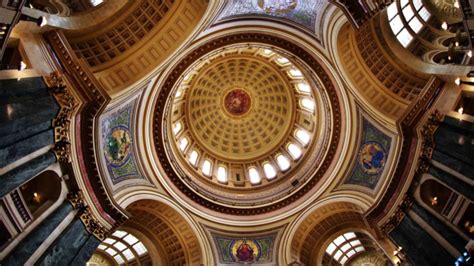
pixel 407 18
pixel 123 247
pixel 344 247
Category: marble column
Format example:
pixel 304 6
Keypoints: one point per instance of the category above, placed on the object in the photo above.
pixel 419 247
pixel 23 251
pixel 73 247
pixel 439 226
pixel 26 112
pixel 25 172
pixel 453 145
pixel 27 146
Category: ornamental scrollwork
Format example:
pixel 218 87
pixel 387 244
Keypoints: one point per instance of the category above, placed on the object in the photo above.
pixel 398 216
pixel 84 213
pixel 61 123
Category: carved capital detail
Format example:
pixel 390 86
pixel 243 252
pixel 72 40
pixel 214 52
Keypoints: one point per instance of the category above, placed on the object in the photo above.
pixel 91 224
pixel 398 216
pixel 61 124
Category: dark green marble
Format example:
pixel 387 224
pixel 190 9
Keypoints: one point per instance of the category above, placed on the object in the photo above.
pixel 27 146
pixel 439 226
pixel 455 183
pixel 33 129
pixel 23 251
pixel 25 172
pixel 454 147
pixel 67 246
pixel 86 251
pixel 420 248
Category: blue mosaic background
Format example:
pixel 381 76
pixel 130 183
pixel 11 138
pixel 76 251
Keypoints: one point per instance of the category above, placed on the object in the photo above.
pixel 120 120
pixel 365 172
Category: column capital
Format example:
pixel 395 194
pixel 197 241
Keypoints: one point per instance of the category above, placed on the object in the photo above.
pixel 398 216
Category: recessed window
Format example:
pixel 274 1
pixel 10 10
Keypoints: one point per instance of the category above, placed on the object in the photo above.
pixel 179 92
pixel 128 254
pixel 303 87
pixel 296 73
pixel 283 162
pixel 183 143
pixel 140 248
pixel 307 104
pixel 111 251
pixel 409 14
pixel 302 136
pixel 222 174
pixel 254 176
pixel 119 259
pixel 267 52
pixel 344 247
pixel 294 151
pixel 206 167
pixel 177 128
pixel 110 241
pixel 269 171
pixel 120 248
pixel 96 2
pixel 282 60
pixel 130 239
pixel 193 158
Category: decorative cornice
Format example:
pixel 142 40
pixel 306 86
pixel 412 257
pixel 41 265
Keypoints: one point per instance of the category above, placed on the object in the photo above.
pixel 93 99
pixel 61 124
pixel 398 216
pixel 91 224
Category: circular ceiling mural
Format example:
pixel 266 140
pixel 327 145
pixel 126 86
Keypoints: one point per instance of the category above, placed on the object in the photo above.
pixel 245 128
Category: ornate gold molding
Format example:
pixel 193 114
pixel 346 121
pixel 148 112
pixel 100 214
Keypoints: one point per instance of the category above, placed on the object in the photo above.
pixel 91 224
pixel 428 143
pixel 61 124
pixel 398 216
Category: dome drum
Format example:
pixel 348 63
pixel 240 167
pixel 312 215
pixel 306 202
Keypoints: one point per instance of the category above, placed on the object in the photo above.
pixel 243 128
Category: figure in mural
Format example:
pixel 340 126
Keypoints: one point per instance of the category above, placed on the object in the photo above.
pixel 372 158
pixel 245 252
pixel 277 6
pixel 237 102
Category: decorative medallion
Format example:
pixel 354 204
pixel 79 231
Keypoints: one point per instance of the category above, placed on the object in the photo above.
pixel 372 158
pixel 277 6
pixel 237 102
pixel 118 146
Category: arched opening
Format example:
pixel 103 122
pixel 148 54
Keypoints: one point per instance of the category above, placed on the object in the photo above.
pixel 41 192
pixel 155 234
pixel 436 195
pixel 334 234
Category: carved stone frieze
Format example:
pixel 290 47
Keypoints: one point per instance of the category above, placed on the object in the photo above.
pixel 398 216
pixel 61 124
pixel 91 224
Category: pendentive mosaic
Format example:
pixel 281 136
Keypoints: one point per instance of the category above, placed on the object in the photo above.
pixel 371 158
pixel 117 140
pixel 303 12
pixel 245 249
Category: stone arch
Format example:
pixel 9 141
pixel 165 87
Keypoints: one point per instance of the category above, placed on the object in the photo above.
pixel 169 229
pixel 305 236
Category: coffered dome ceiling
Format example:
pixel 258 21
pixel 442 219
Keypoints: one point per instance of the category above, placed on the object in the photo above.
pixel 241 128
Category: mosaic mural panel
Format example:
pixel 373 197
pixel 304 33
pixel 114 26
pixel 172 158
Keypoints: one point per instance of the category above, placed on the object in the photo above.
pixel 371 157
pixel 117 141
pixel 303 12
pixel 236 250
